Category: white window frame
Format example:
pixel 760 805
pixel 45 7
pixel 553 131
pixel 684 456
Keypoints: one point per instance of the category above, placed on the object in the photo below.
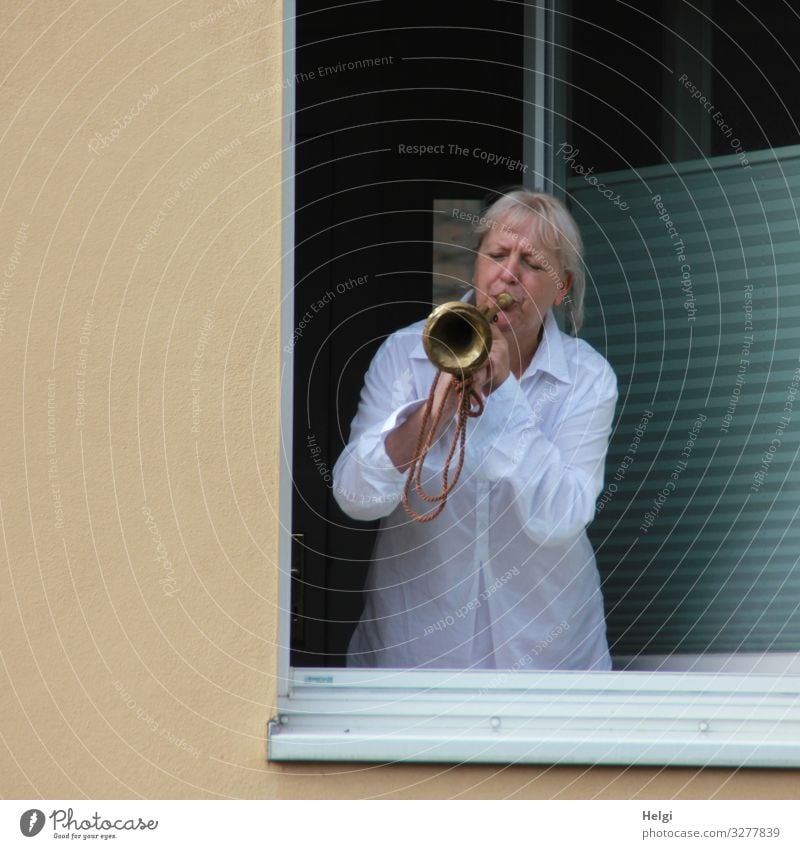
pixel 675 718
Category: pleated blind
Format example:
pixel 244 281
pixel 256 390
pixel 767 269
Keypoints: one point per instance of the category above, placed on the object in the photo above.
pixel 694 297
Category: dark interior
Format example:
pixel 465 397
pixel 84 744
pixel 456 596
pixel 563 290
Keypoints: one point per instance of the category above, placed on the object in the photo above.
pixel 395 102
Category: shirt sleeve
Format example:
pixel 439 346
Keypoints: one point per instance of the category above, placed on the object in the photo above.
pixel 556 476
pixel 366 484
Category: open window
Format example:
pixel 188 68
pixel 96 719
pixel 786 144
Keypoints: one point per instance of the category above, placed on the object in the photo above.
pixel 681 167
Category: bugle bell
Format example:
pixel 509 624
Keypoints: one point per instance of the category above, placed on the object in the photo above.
pixel 457 336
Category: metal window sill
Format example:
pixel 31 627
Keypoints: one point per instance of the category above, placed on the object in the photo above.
pixel 630 718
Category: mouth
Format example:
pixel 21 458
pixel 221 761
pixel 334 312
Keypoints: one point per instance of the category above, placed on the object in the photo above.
pixel 502 303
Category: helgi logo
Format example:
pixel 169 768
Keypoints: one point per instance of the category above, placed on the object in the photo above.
pixel 31 822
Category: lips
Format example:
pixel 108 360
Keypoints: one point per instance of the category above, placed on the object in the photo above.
pixel 503 317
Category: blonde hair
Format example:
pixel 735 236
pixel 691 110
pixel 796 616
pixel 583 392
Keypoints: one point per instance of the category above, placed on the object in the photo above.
pixel 554 228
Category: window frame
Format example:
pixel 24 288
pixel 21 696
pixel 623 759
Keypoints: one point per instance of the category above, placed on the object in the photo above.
pixel 625 718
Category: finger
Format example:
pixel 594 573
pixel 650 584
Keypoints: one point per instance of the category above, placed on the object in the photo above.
pixel 482 375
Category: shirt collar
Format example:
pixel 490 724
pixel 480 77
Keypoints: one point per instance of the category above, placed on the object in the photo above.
pixel 549 356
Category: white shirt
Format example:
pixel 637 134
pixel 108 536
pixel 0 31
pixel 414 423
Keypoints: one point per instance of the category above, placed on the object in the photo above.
pixel 505 576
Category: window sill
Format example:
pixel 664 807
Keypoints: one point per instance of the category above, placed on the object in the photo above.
pixel 630 718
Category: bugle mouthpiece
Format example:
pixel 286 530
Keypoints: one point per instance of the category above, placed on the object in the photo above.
pixel 502 302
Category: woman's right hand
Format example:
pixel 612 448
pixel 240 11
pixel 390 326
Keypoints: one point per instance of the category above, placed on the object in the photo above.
pixel 402 441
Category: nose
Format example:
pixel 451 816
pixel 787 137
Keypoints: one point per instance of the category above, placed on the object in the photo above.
pixel 509 270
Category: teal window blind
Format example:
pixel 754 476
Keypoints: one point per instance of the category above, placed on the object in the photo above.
pixel 694 297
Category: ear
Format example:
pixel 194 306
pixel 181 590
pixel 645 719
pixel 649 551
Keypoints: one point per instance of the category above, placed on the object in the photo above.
pixel 565 284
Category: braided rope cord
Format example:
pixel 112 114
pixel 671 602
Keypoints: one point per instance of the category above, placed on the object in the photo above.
pixel 470 405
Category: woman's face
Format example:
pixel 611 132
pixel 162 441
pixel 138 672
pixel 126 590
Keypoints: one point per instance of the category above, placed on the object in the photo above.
pixel 509 260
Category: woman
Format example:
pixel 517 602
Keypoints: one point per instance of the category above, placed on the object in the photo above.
pixel 505 577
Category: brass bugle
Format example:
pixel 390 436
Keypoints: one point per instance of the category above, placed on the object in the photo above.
pixel 457 337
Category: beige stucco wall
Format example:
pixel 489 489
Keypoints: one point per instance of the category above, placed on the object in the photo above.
pixel 139 290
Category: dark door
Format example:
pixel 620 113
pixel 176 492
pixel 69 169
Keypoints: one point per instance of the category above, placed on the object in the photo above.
pixel 398 104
